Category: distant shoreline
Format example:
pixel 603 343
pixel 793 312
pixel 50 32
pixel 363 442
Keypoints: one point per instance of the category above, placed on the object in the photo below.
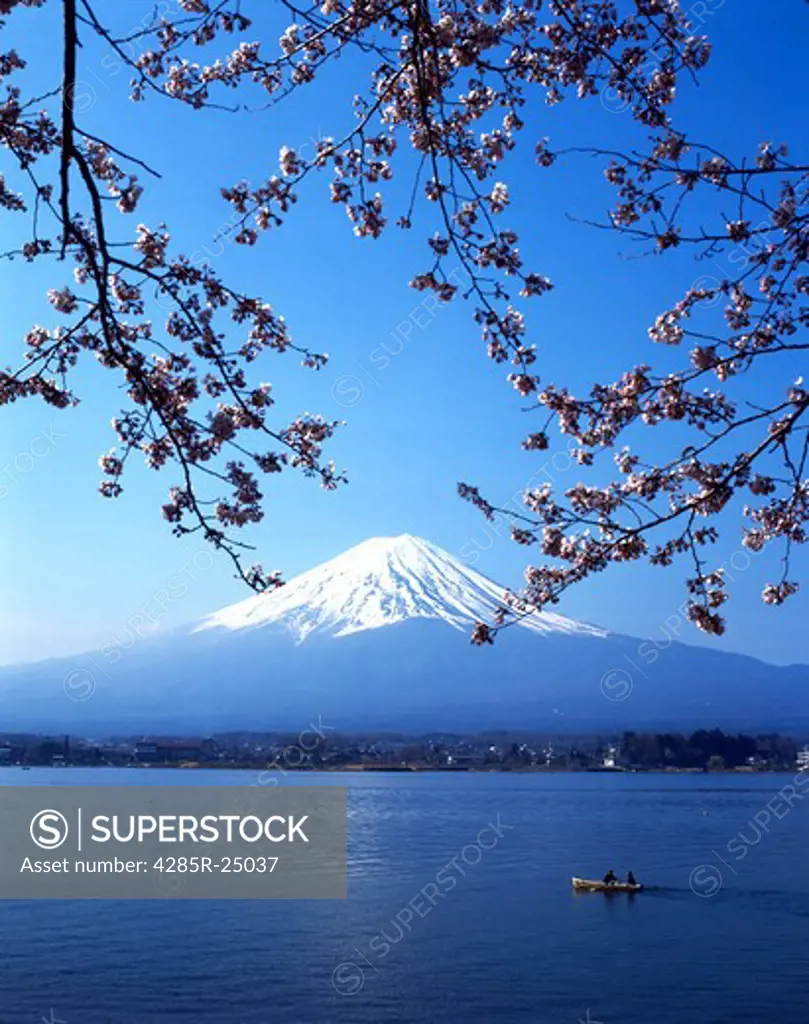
pixel 414 769
pixel 322 748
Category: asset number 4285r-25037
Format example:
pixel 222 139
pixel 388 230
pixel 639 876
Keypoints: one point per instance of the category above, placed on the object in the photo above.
pixel 225 865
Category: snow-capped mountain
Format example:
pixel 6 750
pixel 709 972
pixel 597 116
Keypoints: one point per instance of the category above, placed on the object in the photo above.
pixel 378 638
pixel 378 583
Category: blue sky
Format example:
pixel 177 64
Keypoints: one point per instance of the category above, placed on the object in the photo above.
pixel 423 412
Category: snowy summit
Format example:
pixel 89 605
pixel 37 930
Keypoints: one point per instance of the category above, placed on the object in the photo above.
pixel 380 582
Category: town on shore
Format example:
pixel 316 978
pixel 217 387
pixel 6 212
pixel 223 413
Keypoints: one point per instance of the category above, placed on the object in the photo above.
pixel 321 748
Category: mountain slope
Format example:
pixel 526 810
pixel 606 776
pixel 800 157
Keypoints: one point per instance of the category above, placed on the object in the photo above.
pixel 378 638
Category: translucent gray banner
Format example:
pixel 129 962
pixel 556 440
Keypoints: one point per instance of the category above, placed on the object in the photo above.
pixel 179 842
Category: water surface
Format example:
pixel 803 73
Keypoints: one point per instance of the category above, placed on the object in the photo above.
pixel 508 942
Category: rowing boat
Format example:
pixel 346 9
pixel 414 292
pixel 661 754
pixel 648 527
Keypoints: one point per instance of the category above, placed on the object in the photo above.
pixel 593 885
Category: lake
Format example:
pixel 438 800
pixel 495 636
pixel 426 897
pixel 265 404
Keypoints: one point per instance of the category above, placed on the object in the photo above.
pixel 722 935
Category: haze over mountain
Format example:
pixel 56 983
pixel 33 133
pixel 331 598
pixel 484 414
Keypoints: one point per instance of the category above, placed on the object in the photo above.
pixel 378 638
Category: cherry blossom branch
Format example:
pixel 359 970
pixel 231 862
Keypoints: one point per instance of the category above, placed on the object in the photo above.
pixel 113 324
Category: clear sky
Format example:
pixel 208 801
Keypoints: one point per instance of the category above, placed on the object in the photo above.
pixel 427 412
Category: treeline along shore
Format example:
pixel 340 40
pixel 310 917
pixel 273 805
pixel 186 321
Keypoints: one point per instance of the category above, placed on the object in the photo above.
pixel 321 748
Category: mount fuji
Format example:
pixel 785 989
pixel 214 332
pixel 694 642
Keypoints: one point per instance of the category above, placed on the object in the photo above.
pixel 378 638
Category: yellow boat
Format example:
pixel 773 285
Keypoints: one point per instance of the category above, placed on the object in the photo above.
pixel 594 885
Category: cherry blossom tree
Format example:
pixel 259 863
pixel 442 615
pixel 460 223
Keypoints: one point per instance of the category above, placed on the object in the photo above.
pixel 440 101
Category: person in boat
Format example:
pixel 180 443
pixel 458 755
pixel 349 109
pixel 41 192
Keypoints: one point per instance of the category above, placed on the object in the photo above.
pixel 610 878
pixel 630 878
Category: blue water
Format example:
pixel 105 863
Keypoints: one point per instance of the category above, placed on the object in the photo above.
pixel 509 943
